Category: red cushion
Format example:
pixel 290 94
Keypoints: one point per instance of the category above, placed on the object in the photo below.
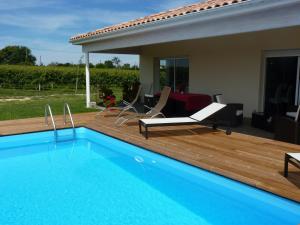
pixel 192 102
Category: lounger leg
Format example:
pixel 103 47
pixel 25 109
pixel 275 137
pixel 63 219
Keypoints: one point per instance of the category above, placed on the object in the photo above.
pixel 286 165
pixel 146 132
pixel 140 127
pixel 228 131
pixel 215 126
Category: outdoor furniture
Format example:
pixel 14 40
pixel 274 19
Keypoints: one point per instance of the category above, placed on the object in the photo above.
pixel 292 158
pixel 126 105
pixel 291 114
pixel 287 128
pixel 185 104
pixel 262 121
pixel 153 111
pixel 232 115
pixel 149 101
pixel 193 119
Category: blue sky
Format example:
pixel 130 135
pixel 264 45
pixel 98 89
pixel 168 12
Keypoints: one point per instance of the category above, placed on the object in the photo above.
pixel 45 26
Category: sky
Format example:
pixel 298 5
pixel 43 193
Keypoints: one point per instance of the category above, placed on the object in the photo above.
pixel 45 26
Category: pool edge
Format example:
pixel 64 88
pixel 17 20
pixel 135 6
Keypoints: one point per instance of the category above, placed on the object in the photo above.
pixel 155 152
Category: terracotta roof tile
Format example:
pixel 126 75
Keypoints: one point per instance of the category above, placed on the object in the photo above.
pixel 181 11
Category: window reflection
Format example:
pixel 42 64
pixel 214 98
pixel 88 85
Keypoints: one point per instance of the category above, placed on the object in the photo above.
pixel 174 72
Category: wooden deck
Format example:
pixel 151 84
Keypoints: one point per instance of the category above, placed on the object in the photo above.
pixel 252 160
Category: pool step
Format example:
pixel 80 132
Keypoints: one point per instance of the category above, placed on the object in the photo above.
pixel 65 135
pixel 67 111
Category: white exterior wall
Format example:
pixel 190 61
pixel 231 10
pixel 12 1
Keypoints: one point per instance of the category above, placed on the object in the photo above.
pixel 231 65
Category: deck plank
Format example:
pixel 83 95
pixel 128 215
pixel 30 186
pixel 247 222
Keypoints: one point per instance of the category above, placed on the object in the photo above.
pixel 252 160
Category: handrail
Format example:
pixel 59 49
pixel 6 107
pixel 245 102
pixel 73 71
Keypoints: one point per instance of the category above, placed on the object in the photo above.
pixel 48 109
pixel 67 108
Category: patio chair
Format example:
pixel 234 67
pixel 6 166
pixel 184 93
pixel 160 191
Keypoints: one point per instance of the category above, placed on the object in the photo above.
pixel 126 106
pixel 232 115
pixel 153 111
pixel 287 128
pixel 196 118
pixel 294 159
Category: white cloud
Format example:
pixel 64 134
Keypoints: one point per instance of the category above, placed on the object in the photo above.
pixel 109 16
pixel 24 4
pixel 46 25
pixel 39 44
pixel 53 51
pixel 166 5
pixel 42 22
pixel 95 18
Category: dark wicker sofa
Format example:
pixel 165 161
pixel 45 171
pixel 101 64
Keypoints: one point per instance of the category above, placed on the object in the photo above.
pixel 287 129
pixel 231 115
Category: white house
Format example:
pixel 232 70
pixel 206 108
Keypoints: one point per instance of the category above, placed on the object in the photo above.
pixel 248 50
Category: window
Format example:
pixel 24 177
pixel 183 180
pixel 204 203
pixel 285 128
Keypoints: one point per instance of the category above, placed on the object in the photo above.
pixel 174 72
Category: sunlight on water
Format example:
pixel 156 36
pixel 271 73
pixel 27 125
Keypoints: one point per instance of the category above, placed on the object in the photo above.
pixel 98 180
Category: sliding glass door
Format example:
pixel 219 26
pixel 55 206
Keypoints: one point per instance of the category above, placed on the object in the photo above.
pixel 281 84
pixel 174 72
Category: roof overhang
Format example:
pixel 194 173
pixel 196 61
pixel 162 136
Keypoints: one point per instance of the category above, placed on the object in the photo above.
pixel 249 16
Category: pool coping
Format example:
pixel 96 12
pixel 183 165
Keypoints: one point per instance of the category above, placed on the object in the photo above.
pixel 152 151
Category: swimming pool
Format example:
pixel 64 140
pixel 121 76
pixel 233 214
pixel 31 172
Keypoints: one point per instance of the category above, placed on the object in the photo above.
pixel 98 180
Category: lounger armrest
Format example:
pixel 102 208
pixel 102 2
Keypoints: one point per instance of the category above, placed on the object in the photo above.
pixel 148 107
pixel 153 110
pixel 125 102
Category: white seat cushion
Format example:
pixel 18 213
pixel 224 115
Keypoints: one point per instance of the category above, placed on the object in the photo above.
pixel 291 114
pixel 239 112
pixel 197 117
pixel 295 156
pixel 207 111
pixel 168 120
pixel 149 95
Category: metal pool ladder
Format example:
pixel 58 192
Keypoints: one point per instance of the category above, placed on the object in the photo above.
pixel 67 110
pixel 48 112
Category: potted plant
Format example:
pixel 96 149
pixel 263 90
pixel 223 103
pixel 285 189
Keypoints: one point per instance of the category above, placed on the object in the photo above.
pixel 107 98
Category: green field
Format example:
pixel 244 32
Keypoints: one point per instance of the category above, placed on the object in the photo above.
pixel 20 97
pixel 18 103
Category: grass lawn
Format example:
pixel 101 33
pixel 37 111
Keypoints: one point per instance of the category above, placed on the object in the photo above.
pixel 17 104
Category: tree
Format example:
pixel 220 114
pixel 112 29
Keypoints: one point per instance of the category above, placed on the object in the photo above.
pixel 17 55
pixel 126 66
pixel 100 65
pixel 116 61
pixel 135 67
pixel 109 64
pixel 61 64
pixel 53 64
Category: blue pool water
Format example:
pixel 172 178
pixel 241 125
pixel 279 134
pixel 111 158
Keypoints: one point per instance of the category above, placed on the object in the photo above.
pixel 98 180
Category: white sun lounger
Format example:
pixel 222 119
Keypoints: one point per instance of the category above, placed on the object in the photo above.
pixel 194 119
pixel 294 159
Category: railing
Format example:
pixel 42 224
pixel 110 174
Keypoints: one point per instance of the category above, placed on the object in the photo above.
pixel 67 109
pixel 48 112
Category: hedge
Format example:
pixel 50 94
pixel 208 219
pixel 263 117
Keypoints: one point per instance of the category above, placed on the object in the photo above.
pixel 30 77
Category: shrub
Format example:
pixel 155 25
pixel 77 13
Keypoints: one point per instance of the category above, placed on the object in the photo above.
pixel 30 77
pixel 130 90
